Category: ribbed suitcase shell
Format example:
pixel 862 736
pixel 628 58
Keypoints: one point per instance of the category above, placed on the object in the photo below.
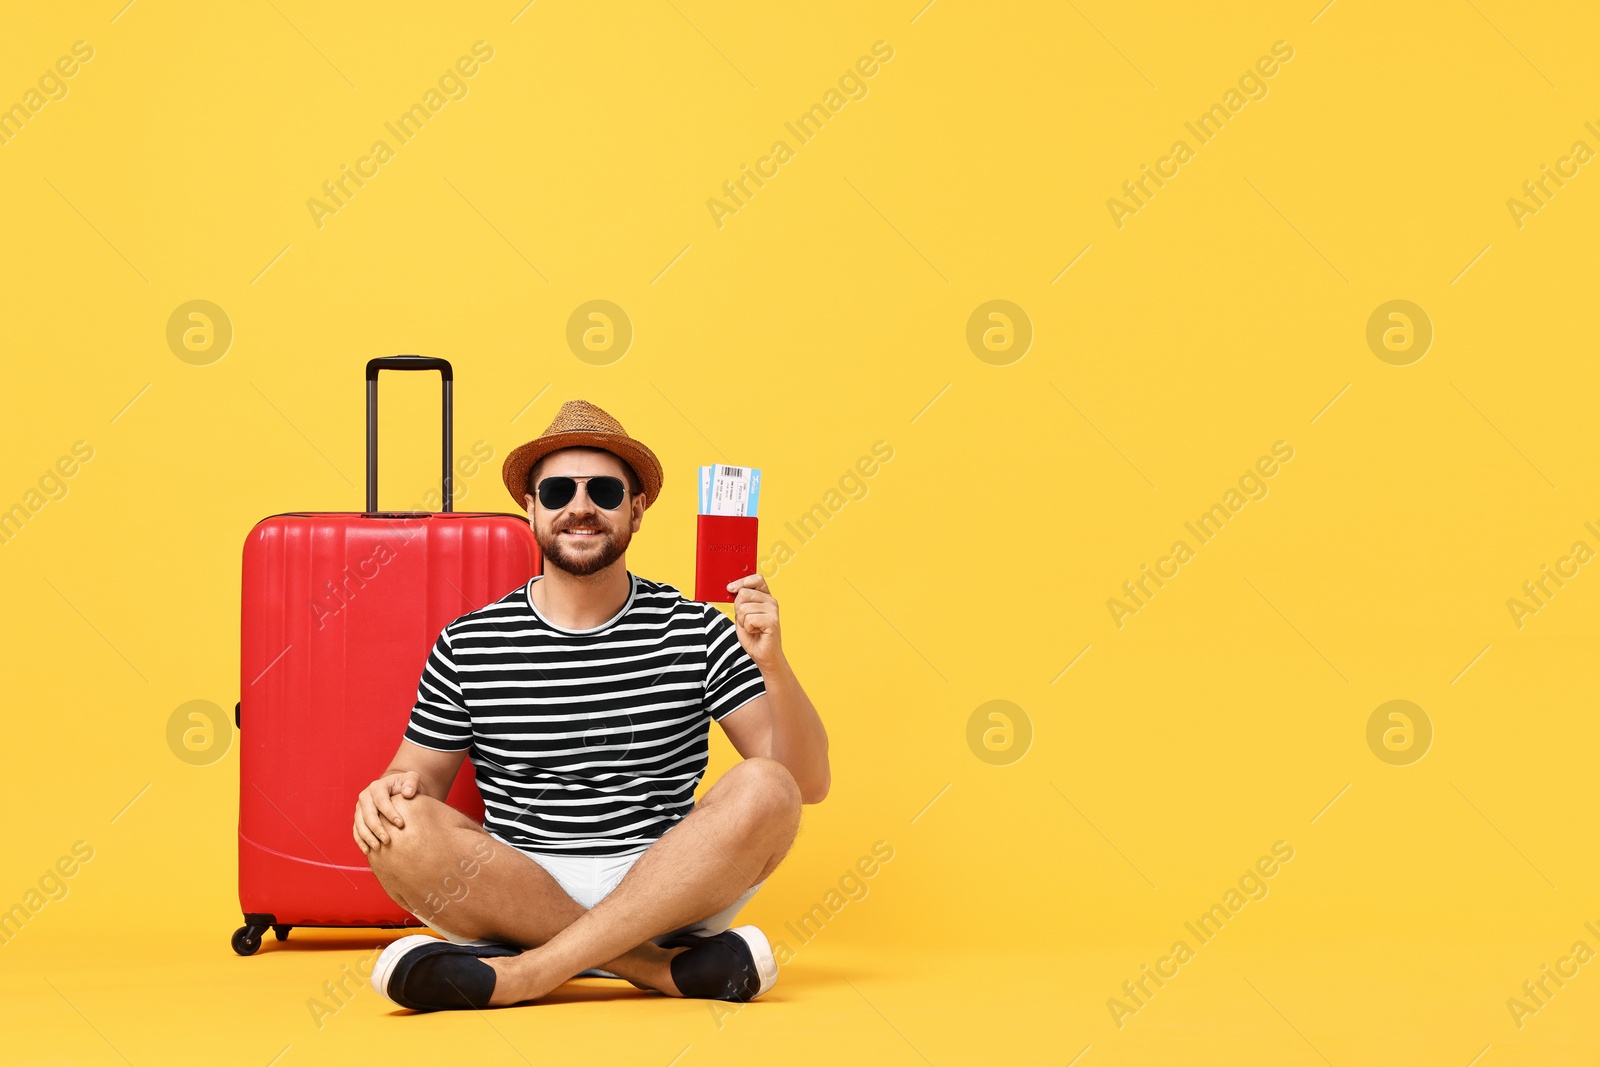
pixel 339 613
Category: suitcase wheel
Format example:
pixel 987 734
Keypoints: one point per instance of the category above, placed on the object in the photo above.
pixel 247 939
pixel 281 931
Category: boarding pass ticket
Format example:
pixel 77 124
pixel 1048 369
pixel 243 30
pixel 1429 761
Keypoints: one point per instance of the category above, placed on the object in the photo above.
pixel 729 490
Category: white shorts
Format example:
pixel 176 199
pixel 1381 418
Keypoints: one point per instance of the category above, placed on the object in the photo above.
pixel 589 879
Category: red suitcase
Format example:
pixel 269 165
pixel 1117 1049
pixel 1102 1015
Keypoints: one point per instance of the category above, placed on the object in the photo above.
pixel 339 612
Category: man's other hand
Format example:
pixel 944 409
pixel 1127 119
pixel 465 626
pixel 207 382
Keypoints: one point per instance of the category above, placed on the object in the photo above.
pixel 375 811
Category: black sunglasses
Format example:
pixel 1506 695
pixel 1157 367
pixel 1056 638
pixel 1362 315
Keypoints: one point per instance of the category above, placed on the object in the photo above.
pixel 556 491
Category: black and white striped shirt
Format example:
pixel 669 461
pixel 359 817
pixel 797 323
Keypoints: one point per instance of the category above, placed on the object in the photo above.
pixel 586 742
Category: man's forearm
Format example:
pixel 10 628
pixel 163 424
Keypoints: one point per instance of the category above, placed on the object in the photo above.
pixel 799 740
pixel 434 776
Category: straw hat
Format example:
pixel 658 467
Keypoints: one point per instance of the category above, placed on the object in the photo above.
pixel 580 423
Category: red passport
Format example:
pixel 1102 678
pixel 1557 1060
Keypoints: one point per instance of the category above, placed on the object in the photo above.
pixel 724 549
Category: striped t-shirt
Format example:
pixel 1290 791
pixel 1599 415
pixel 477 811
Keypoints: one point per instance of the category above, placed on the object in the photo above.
pixel 586 742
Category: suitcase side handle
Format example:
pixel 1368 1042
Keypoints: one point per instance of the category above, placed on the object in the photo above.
pixel 446 378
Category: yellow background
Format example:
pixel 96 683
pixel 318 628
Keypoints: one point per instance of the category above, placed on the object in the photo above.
pixel 830 313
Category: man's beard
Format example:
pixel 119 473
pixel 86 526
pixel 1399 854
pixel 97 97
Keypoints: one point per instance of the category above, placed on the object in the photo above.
pixel 580 561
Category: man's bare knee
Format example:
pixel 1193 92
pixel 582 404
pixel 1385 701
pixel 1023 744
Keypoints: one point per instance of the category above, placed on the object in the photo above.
pixel 427 821
pixel 766 802
pixel 767 793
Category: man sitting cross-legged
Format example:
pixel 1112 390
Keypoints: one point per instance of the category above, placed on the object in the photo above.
pixel 585 698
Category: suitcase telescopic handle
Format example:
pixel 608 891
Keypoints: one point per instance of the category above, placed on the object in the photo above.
pixel 383 363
